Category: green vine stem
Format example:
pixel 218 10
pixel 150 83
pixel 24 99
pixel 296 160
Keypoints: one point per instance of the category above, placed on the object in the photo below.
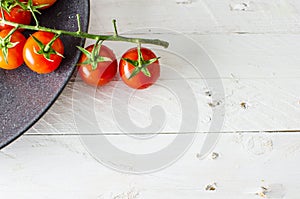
pixel 115 37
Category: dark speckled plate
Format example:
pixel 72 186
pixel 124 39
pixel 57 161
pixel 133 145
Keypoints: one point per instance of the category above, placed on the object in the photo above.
pixel 24 95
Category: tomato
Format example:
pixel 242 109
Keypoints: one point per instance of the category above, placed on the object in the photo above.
pixel 38 62
pixel 140 80
pixel 105 70
pixel 14 55
pixel 49 3
pixel 17 15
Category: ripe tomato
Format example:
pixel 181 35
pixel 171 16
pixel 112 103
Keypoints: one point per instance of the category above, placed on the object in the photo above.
pixel 14 54
pixel 49 3
pixel 140 80
pixel 38 62
pixel 105 70
pixel 17 15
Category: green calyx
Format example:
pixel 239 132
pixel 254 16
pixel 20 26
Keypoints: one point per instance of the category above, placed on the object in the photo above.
pixel 5 44
pixel 30 7
pixel 7 5
pixel 94 57
pixel 46 50
pixel 141 65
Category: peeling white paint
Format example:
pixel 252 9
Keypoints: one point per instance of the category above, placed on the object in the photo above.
pixel 259 145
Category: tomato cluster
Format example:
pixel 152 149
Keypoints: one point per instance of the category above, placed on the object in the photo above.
pixel 15 13
pixel 139 68
pixel 42 51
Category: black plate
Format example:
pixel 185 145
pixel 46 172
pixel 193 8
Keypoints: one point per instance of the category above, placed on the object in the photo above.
pixel 24 95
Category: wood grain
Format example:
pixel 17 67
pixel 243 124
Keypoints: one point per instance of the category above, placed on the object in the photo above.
pixel 254 47
pixel 200 16
pixel 59 166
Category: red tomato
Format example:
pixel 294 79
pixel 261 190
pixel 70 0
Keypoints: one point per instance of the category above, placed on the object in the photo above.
pixel 38 62
pixel 104 72
pixel 17 15
pixel 140 80
pixel 49 3
pixel 14 56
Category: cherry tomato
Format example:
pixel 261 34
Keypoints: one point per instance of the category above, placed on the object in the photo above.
pixel 140 80
pixel 14 55
pixel 38 62
pixel 104 72
pixel 49 3
pixel 17 15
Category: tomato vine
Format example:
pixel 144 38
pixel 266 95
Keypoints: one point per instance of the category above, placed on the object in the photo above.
pixel 143 63
pixel 80 34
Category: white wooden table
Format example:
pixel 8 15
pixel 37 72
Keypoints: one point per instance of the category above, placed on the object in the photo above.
pixel 255 48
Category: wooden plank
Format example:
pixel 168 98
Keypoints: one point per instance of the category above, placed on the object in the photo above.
pixel 200 16
pixel 59 166
pixel 254 46
pixel 259 70
pixel 250 105
pixel 241 56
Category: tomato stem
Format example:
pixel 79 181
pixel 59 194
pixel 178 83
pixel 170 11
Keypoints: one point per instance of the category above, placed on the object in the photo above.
pixel 49 45
pixel 2 13
pixel 78 34
pixel 140 56
pixel 115 27
pixel 33 14
pixel 5 43
pixel 21 5
pixel 78 23
pixel 10 33
pixel 31 8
